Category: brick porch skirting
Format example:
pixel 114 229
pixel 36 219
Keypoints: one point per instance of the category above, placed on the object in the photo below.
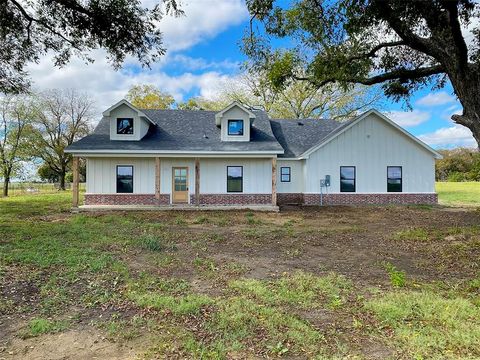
pixel 365 199
pixel 289 198
pixel 126 199
pixel 233 199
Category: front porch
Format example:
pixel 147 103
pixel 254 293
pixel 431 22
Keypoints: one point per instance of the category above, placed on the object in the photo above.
pixel 167 183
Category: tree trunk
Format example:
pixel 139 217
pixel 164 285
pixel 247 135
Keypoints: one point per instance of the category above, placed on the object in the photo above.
pixel 61 179
pixel 467 87
pixel 6 183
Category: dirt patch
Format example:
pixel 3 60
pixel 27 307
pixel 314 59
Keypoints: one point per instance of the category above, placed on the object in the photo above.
pixel 86 343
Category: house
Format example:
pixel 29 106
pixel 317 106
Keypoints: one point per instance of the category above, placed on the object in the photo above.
pixel 240 157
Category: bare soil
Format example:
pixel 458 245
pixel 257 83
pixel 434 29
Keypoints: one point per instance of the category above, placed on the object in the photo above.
pixel 351 241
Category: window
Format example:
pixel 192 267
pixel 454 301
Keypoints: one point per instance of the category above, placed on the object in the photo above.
pixel 125 126
pixel 124 179
pixel 394 179
pixel 285 174
pixel 347 178
pixel 235 127
pixel 234 178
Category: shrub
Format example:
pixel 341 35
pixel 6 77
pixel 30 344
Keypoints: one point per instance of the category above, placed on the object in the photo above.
pixel 456 177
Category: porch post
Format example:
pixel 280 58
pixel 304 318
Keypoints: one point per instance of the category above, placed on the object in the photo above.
pixel 75 187
pixel 197 181
pixel 157 178
pixel 274 181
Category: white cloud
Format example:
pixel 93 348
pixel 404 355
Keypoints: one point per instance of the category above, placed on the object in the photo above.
pixel 108 86
pixel 203 20
pixel 448 137
pixel 409 118
pixel 194 64
pixel 434 99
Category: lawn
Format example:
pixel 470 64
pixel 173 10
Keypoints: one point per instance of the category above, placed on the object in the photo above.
pixel 458 193
pixel 317 283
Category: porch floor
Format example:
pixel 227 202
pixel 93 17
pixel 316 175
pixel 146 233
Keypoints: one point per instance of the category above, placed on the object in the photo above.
pixel 174 207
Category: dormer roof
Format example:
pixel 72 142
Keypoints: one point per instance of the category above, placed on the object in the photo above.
pixel 140 113
pixel 219 115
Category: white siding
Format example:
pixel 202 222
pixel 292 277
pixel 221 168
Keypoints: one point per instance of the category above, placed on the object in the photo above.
pixel 102 175
pixel 371 145
pixel 257 175
pixel 235 113
pixel 140 125
pixel 296 184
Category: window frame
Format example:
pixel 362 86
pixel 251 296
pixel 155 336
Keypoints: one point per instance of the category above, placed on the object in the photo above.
pixel 401 178
pixel 126 118
pixel 241 184
pixel 116 177
pixel 354 179
pixel 235 120
pixel 289 174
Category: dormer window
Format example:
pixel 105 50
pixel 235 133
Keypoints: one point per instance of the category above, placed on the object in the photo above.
pixel 235 127
pixel 125 126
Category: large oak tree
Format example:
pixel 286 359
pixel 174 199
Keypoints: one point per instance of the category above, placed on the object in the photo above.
pixel 66 28
pixel 403 45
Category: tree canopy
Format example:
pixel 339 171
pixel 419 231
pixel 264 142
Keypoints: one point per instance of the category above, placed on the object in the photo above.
pixel 66 28
pixel 402 45
pixel 149 97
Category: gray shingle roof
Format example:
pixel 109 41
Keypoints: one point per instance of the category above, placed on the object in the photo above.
pixel 182 130
pixel 193 130
pixel 298 136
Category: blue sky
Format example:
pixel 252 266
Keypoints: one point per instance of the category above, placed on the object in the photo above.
pixel 203 53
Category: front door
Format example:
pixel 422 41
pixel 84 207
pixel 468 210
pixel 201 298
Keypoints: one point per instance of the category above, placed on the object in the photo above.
pixel 180 185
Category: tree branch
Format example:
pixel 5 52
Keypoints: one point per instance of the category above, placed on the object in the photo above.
pixel 373 51
pixel 42 23
pixel 460 46
pixel 406 34
pixel 397 74
pixel 402 74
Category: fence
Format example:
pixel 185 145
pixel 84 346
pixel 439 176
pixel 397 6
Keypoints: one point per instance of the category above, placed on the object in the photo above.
pixel 23 188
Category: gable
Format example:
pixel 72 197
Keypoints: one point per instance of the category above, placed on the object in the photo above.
pixel 376 127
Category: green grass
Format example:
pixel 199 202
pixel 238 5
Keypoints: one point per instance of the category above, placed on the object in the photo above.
pixel 458 193
pixel 205 306
pixel 41 326
pixel 429 325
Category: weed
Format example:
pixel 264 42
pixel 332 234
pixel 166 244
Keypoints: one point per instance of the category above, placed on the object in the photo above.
pixel 177 305
pixel 39 326
pixel 179 220
pixel 413 234
pixel 201 220
pixel 397 277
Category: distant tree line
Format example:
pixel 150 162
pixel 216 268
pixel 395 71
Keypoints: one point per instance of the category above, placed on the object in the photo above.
pixel 296 101
pixel 37 128
pixel 460 164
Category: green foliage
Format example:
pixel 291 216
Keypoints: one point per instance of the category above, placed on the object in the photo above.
pixel 460 164
pixel 398 278
pixel 402 45
pixel 149 97
pixel 429 325
pixel 34 29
